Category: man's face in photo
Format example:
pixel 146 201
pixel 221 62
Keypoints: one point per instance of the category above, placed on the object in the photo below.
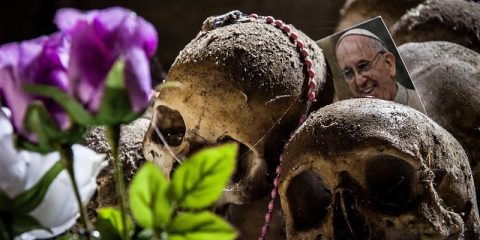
pixel 368 71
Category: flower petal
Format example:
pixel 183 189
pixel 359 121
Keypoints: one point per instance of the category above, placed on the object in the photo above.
pixel 148 35
pixel 67 18
pixel 137 79
pixel 12 172
pixel 59 208
pixel 91 60
pixel 38 61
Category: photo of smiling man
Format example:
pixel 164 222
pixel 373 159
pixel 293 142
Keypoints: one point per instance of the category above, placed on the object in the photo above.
pixel 362 61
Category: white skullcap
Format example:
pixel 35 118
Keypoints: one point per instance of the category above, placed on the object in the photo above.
pixel 358 31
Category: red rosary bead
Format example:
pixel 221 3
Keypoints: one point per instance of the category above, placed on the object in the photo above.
pixel 293 36
pixel 269 19
pixel 275 183
pixel 311 73
pixel 271 205
pixel 304 54
pixel 308 62
pixel 299 44
pixel 278 23
pixel 278 170
pixel 268 217
pixel 312 97
pixel 273 193
pixel 312 84
pixel 264 230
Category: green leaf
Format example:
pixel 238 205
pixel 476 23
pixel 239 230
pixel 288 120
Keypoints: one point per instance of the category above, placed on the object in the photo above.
pixel 25 223
pixel 148 197
pixel 75 110
pixel 14 213
pixel 14 220
pixel 39 121
pixel 29 200
pixel 115 107
pixel 145 234
pixel 200 180
pixel 109 224
pixel 13 223
pixel 71 236
pixel 199 226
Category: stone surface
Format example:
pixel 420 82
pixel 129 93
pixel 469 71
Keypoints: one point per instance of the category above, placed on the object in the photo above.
pixel 131 155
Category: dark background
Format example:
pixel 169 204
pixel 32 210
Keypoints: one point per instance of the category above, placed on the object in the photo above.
pixel 177 21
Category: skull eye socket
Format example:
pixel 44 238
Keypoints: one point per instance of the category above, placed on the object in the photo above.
pixel 243 160
pixel 170 125
pixel 390 180
pixel 309 199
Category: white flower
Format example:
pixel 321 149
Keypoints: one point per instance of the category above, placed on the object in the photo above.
pixel 21 170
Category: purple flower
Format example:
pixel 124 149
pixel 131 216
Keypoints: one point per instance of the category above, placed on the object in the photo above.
pixel 38 61
pixel 101 37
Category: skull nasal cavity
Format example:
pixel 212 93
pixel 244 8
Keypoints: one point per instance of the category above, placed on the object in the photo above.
pixel 309 199
pixel 169 124
pixel 390 180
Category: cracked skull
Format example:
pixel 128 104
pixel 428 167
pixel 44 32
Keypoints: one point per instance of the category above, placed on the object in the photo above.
pixel 374 169
pixel 241 80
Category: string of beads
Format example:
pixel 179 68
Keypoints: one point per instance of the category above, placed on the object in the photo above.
pixel 311 97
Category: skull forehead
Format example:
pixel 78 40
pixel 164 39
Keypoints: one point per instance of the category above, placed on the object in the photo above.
pixel 255 58
pixel 343 126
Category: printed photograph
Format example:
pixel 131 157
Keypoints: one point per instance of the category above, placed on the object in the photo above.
pixel 365 63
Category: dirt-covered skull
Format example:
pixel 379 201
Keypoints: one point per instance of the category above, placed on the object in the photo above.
pixel 447 78
pixel 374 169
pixel 241 80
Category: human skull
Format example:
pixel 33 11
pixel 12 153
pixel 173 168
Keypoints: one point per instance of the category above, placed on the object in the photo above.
pixel 249 218
pixel 447 78
pixel 375 169
pixel 446 20
pixel 241 80
pixel 354 12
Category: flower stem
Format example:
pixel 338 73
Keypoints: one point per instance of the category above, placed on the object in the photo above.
pixel 66 155
pixel 6 229
pixel 113 133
